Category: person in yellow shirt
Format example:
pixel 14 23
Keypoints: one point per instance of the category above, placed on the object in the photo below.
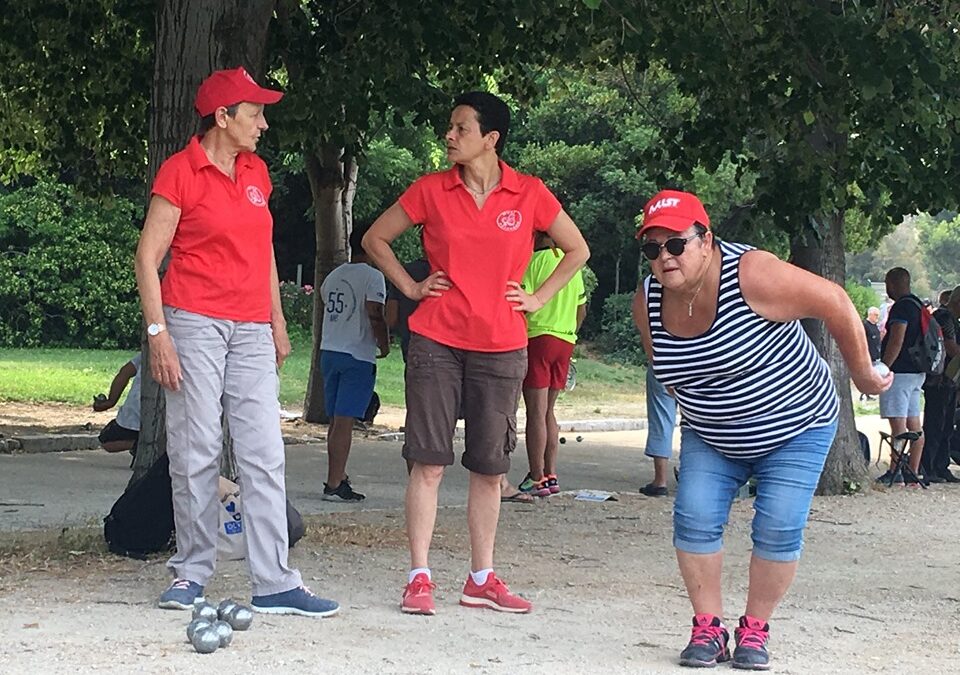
pixel 552 332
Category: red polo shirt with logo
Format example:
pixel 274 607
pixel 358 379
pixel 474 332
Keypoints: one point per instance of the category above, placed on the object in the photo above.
pixel 480 250
pixel 220 253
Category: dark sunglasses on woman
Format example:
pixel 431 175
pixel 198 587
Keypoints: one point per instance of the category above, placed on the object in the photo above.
pixel 674 245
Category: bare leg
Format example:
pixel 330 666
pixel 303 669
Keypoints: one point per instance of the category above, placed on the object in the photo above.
pixel 421 510
pixel 535 401
pixel 483 513
pixel 660 471
pixel 897 426
pixel 701 575
pixel 117 446
pixel 769 581
pixel 339 439
pixel 552 445
pixel 916 448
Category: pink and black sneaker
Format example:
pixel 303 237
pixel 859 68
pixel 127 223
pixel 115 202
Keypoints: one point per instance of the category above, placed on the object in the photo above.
pixel 708 643
pixel 751 638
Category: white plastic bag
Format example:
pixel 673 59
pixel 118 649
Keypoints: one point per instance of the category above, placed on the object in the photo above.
pixel 231 539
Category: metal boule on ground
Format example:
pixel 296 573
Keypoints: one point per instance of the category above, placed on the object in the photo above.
pixel 206 639
pixel 204 610
pixel 240 618
pixel 194 626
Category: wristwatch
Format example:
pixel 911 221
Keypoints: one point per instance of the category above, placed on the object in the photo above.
pixel 154 329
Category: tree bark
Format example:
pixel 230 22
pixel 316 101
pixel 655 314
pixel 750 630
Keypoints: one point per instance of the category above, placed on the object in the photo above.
pixel 820 249
pixel 332 173
pixel 193 40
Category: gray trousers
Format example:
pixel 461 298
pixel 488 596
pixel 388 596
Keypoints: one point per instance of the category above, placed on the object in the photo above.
pixel 227 366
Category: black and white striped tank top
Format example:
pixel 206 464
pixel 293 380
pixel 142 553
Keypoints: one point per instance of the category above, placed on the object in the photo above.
pixel 747 385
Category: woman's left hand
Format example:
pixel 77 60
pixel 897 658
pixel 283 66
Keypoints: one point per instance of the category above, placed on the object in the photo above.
pixel 522 301
pixel 281 342
pixel 870 381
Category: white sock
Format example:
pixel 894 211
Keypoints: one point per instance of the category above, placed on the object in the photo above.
pixel 419 570
pixel 480 576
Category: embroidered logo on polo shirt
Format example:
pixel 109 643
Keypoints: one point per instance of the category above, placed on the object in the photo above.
pixel 255 196
pixel 508 221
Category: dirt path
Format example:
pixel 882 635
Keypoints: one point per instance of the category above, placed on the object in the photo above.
pixel 877 592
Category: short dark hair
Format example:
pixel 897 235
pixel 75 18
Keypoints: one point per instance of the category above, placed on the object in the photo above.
pixel 209 121
pixel 898 275
pixel 356 238
pixel 493 114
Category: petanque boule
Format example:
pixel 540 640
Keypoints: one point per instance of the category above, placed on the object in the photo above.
pixel 204 610
pixel 194 626
pixel 579 439
pixel 206 639
pixel 224 608
pixel 240 618
pixel 224 632
pixel 563 439
pixel 881 368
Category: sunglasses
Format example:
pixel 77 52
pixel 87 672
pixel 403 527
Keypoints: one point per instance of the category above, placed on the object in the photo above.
pixel 674 245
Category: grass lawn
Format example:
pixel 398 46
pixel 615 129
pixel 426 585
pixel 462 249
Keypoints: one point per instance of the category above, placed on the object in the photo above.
pixel 76 375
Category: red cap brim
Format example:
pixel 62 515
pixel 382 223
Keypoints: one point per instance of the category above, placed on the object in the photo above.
pixel 668 222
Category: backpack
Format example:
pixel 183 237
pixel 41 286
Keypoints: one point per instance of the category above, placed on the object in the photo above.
pixel 141 520
pixel 928 352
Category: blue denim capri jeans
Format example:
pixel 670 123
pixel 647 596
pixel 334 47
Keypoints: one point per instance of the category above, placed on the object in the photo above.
pixel 786 481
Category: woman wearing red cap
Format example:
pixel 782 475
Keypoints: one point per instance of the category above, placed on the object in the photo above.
pixel 720 323
pixel 217 333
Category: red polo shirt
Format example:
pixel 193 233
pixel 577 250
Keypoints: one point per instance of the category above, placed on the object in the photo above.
pixel 480 250
pixel 220 253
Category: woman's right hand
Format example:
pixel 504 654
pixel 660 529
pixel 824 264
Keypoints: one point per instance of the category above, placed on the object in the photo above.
pixel 431 287
pixel 164 363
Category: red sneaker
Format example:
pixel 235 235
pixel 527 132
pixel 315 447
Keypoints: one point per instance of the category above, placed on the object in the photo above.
pixel 493 594
pixel 418 596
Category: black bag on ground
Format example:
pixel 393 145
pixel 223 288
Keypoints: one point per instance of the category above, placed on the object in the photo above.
pixel 141 520
pixel 295 525
pixel 864 446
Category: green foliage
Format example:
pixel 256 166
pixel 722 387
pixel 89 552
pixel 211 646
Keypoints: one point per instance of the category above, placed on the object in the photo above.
pixel 863 297
pixel 818 98
pixel 74 89
pixel 619 340
pixel 297 303
pixel 939 240
pixel 899 248
pixel 66 269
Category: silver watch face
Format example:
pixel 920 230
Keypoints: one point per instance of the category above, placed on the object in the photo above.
pixel 154 329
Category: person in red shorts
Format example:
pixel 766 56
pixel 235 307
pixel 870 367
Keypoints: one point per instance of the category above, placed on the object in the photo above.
pixel 552 331
pixel 217 336
pixel 468 334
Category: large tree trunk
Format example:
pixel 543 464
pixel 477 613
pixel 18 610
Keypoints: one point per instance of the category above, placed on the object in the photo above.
pixel 821 250
pixel 333 179
pixel 193 40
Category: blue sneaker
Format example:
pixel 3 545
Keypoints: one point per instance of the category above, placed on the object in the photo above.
pixel 296 601
pixel 181 594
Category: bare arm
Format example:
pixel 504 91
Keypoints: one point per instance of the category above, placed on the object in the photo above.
pixel 897 331
pixel 376 242
pixel 392 313
pixel 566 235
pixel 641 320
pixel 158 229
pixel 779 291
pixel 120 381
pixel 379 325
pixel 278 324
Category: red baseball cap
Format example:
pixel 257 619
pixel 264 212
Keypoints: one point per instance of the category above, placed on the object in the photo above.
pixel 228 87
pixel 673 210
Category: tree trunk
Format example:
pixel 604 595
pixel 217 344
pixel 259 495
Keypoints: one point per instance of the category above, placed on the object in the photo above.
pixel 333 180
pixel 193 40
pixel 821 250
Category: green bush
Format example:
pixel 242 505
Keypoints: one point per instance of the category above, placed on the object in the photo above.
pixel 619 341
pixel 66 269
pixel 297 303
pixel 863 297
